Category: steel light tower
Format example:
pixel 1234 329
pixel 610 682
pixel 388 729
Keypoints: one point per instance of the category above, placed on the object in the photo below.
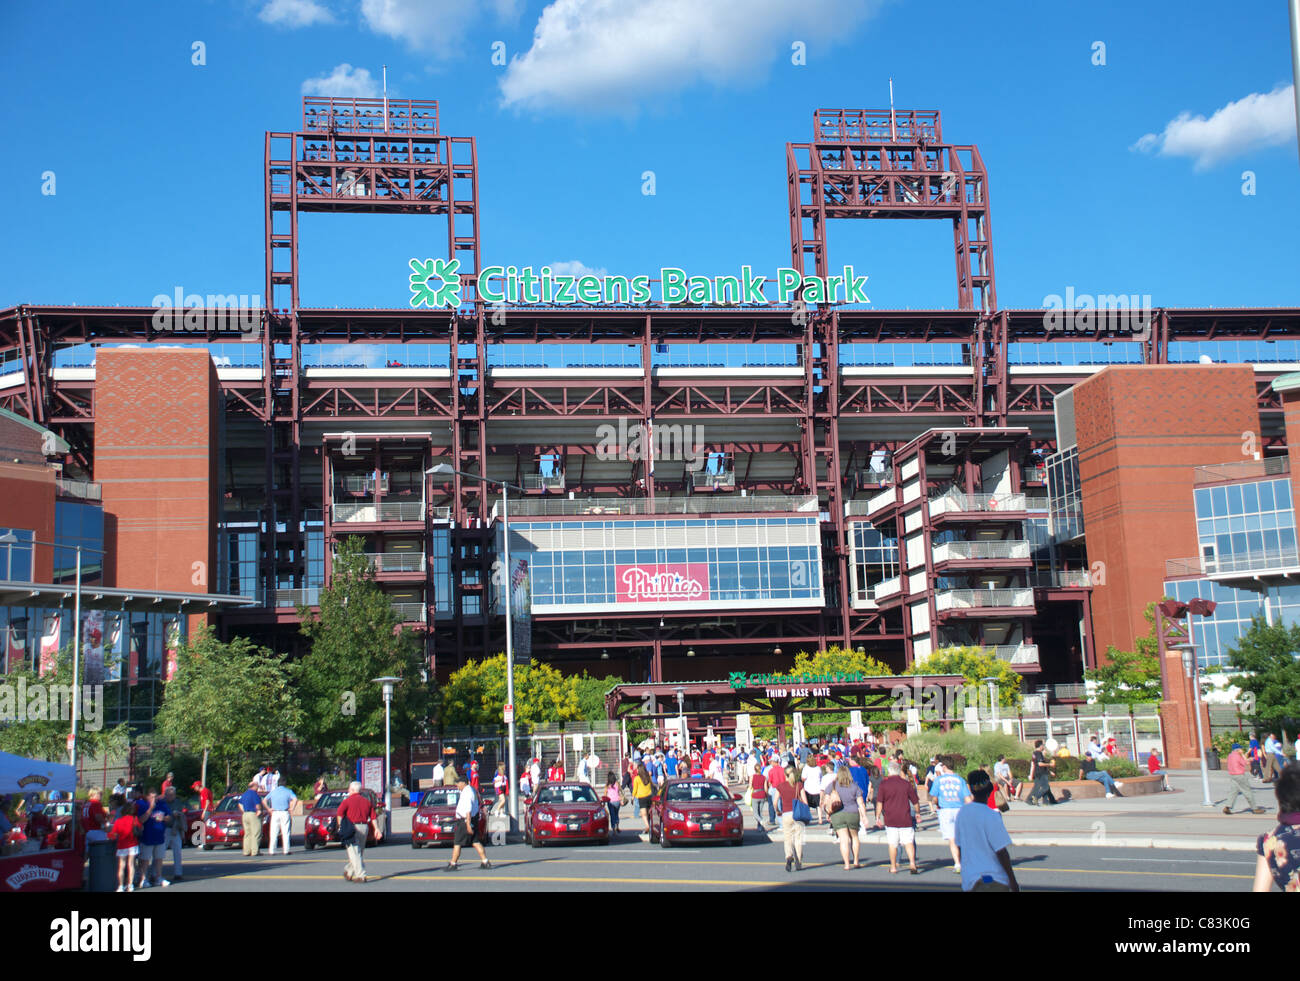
pixel 389 683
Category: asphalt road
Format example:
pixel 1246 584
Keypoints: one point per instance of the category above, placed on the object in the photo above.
pixel 630 863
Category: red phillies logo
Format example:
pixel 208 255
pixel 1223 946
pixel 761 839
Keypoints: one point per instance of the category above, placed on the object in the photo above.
pixel 662 583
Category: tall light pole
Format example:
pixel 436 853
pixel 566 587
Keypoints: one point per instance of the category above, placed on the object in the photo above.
pixel 1295 59
pixel 993 699
pixel 681 719
pixel 447 470
pixel 10 539
pixel 389 683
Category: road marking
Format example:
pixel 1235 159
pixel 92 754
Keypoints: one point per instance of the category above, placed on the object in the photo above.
pixel 1179 861
pixel 553 880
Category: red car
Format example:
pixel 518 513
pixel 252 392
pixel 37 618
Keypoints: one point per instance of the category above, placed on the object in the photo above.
pixel 322 823
pixel 225 825
pixel 60 812
pixel 434 822
pixel 695 809
pixel 565 811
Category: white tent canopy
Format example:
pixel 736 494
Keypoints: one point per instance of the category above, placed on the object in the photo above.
pixel 19 775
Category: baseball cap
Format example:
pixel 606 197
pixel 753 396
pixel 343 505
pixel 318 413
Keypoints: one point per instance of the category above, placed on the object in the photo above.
pixel 1236 745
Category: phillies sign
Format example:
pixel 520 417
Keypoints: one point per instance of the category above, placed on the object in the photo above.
pixel 670 582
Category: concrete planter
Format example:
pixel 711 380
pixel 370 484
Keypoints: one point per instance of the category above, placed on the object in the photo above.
pixel 1079 789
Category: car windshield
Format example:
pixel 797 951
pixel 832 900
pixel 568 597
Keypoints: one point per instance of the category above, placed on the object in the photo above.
pixel 440 797
pixel 333 799
pixel 230 803
pixel 697 790
pixel 566 795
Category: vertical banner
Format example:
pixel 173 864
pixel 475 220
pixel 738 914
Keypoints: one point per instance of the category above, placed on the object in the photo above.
pixel 15 648
pixel 112 647
pixel 92 646
pixel 521 609
pixel 172 642
pixel 50 633
pixel 135 638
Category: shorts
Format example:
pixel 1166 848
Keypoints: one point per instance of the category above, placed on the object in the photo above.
pixel 948 822
pixel 899 836
pixel 814 800
pixel 131 852
pixel 843 819
pixel 464 836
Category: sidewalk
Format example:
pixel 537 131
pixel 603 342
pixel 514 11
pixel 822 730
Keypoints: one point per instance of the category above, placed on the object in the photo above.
pixel 1176 819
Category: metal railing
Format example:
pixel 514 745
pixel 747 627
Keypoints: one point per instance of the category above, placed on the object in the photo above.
pixel 411 612
pixel 362 485
pixel 1021 654
pixel 396 561
pixel 1070 691
pixel 875 502
pixel 1241 563
pixel 544 507
pixel 411 511
pixel 970 599
pixel 293 597
pixel 1272 466
pixel 703 478
pixel 1060 578
pixel 539 481
pixel 887 588
pixel 81 489
pixel 951 551
pixel 1036 475
pixel 964 503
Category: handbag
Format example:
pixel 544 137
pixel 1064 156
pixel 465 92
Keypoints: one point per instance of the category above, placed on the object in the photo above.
pixel 800 812
pixel 1000 800
pixel 833 801
pixel 748 799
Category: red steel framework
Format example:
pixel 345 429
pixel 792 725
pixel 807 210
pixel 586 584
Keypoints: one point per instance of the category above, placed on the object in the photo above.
pixel 360 156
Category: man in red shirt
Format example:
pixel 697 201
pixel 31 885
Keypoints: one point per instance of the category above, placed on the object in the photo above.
pixel 126 830
pixel 895 799
pixel 356 807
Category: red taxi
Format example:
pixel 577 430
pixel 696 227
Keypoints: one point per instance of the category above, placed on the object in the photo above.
pixel 565 810
pixel 225 825
pixel 434 822
pixel 321 826
pixel 695 809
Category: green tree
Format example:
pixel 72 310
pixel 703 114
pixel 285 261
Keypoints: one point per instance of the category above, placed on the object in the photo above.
pixel 1130 677
pixel 227 700
pixel 974 664
pixel 832 659
pixel 355 639
pixel 591 695
pixel 46 738
pixel 1269 657
pixel 475 694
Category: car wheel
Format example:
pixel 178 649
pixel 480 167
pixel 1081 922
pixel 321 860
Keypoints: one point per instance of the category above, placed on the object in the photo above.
pixel 663 839
pixel 532 840
pixel 738 842
pixel 208 848
pixel 605 840
pixel 417 844
pixel 309 844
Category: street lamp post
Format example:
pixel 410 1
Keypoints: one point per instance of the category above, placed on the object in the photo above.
pixel 10 539
pixel 446 469
pixel 388 682
pixel 681 718
pixel 993 699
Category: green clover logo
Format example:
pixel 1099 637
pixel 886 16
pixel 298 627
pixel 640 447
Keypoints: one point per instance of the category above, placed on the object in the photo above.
pixel 435 282
pixel 738 679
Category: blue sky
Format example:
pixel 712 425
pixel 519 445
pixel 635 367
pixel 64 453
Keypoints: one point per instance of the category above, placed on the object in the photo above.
pixel 158 162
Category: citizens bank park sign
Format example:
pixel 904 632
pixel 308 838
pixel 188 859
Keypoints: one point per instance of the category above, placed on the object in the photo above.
pixel 741 679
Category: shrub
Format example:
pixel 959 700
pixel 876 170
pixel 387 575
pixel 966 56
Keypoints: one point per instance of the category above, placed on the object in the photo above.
pixel 975 750
pixel 1120 768
pixel 1067 768
pixel 953 761
pixel 1019 767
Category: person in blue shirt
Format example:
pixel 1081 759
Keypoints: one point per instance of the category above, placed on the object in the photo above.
pixel 278 801
pixel 251 807
pixel 670 763
pixel 982 843
pixel 153 813
pixel 950 792
pixel 863 779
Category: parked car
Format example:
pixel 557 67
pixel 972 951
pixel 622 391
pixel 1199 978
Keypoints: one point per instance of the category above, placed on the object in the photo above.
pixel 565 811
pixel 695 809
pixel 225 826
pixel 434 822
pixel 321 827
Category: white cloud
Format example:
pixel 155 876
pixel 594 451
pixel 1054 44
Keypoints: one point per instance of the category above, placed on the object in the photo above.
pixel 613 54
pixel 574 267
pixel 1251 123
pixel 344 82
pixel 436 26
pixel 295 13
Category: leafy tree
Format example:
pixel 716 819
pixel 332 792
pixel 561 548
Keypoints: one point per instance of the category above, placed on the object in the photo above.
pixel 227 700
pixel 47 738
pixel 1268 656
pixel 475 694
pixel 974 664
pixel 591 695
pixel 1131 677
pixel 836 658
pixel 355 639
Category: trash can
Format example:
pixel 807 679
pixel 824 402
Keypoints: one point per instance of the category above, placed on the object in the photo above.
pixel 1211 759
pixel 103 866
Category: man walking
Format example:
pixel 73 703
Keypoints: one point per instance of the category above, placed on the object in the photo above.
pixel 467 807
pixel 174 840
pixel 895 798
pixel 1040 772
pixel 951 793
pixel 982 842
pixel 250 809
pixel 279 800
pixel 357 814
pixel 153 814
pixel 1239 774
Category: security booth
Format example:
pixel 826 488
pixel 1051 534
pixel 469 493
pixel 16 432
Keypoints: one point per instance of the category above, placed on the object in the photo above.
pixel 714 707
pixel 30 866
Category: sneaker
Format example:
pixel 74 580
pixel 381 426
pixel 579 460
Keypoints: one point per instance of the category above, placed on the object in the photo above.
pixel 1227 810
pixel 144 884
pixel 129 888
pixel 789 864
pixel 798 865
pixel 1119 784
pixel 956 870
pixel 121 888
pixel 449 867
pixel 485 865
pixel 1261 810
pixel 1109 795
pixel 164 883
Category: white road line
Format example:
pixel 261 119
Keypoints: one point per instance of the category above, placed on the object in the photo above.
pixel 1177 861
